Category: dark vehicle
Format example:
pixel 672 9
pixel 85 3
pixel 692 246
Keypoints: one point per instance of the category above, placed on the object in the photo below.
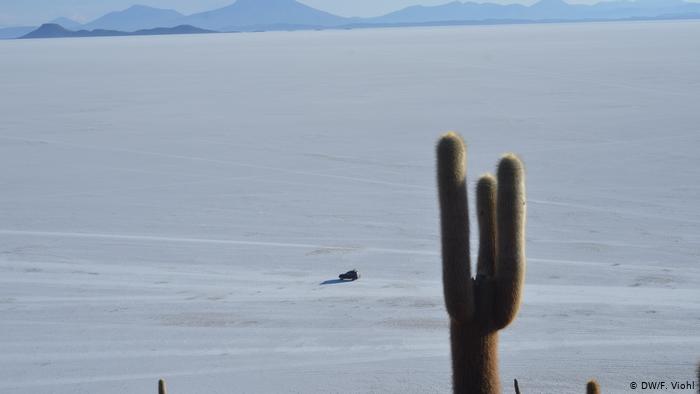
pixel 350 275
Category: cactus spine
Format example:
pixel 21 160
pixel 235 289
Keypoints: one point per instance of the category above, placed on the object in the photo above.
pixel 480 307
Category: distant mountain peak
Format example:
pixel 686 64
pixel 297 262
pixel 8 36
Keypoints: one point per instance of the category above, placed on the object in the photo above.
pixel 137 17
pixel 264 14
pixel 142 8
pixel 48 30
pixel 551 4
pixel 137 7
pixel 268 5
pixel 67 23
pixel 52 26
pixel 264 2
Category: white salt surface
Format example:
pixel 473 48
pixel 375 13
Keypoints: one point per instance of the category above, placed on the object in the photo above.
pixel 170 205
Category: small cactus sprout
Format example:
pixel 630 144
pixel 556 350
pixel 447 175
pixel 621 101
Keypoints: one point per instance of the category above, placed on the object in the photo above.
pixel 480 306
pixel 162 388
pixel 592 387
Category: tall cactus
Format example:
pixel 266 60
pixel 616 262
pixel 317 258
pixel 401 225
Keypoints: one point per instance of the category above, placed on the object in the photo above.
pixel 480 307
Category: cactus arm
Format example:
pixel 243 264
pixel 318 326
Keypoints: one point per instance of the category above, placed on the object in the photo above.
pixel 486 211
pixel 454 220
pixel 510 266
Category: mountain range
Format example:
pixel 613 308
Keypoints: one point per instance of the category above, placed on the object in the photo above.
pixel 542 10
pixel 53 30
pixel 254 15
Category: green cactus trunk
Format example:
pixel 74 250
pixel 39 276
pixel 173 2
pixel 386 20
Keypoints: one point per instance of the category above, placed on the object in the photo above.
pixel 475 356
pixel 162 388
pixel 480 307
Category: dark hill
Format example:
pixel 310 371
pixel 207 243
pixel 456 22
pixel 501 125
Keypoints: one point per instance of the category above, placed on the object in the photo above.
pixel 53 30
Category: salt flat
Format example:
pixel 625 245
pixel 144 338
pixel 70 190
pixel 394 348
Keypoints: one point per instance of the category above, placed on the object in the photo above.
pixel 169 206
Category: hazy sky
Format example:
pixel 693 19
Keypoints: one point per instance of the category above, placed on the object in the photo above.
pixel 31 12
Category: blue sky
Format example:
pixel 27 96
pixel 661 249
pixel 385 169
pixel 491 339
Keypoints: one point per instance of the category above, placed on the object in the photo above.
pixel 31 12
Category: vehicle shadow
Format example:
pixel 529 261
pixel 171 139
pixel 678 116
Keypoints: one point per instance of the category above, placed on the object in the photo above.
pixel 335 282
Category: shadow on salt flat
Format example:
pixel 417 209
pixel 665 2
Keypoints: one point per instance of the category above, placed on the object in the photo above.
pixel 335 282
